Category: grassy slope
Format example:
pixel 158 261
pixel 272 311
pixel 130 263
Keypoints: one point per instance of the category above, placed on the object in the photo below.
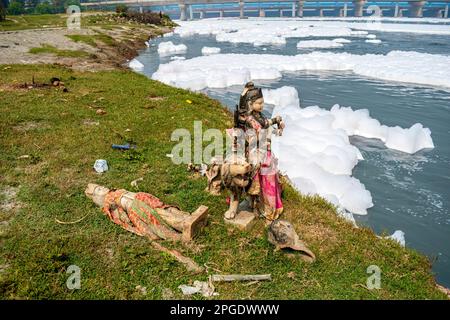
pixel 113 261
pixel 43 21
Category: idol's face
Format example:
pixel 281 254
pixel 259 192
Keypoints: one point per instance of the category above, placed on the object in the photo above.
pixel 258 105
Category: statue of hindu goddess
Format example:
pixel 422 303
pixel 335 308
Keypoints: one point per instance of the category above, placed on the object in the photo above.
pixel 254 170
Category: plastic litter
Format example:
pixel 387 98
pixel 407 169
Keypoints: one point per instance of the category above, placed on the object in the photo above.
pixel 126 146
pixel 100 166
pixel 203 287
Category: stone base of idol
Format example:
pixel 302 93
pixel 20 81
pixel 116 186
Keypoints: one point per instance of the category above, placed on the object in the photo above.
pixel 244 220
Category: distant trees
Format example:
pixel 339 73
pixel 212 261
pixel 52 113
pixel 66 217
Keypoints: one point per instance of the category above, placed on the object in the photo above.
pixel 3 5
pixel 44 8
pixel 17 7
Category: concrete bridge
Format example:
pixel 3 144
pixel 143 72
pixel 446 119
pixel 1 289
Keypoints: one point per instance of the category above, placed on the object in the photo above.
pixel 187 8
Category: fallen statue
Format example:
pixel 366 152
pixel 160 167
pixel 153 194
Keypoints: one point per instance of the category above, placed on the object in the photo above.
pixel 146 215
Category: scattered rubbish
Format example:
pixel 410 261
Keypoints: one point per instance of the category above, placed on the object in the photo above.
pixel 7 68
pixel 71 222
pixel 169 155
pixel 240 277
pixel 89 122
pixel 100 165
pixel 205 288
pixel 100 112
pixel 134 183
pixel 147 44
pixel 54 82
pixel 189 101
pixel 126 146
pixel 127 130
pixel 142 290
pixel 25 156
pixel 282 235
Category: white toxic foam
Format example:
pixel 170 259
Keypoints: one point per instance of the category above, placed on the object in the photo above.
pixel 398 236
pixel 263 31
pixel 136 65
pixel 371 36
pixel 223 70
pixel 342 40
pixel 375 41
pixel 315 150
pixel 177 58
pixel 210 50
pixel 167 48
pixel 319 44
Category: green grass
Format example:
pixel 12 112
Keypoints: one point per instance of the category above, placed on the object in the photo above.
pixel 43 21
pixel 46 48
pixel 113 262
pixel 92 39
pixel 33 22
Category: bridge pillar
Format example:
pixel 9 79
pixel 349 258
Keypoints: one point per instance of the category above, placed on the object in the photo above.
pixel 262 13
pixel 191 13
pixel 221 13
pixel 345 10
pixel 183 15
pixel 416 8
pixel 446 12
pixel 293 9
pixel 141 9
pixel 321 13
pixel 359 5
pixel 202 14
pixel 241 9
pixel 396 10
pixel 300 8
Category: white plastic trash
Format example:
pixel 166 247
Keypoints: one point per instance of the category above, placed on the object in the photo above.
pixel 100 165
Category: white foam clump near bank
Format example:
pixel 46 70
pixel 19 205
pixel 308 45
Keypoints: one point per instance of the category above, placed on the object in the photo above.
pixel 177 58
pixel 342 40
pixel 319 44
pixel 136 65
pixel 398 236
pixel 371 36
pixel 210 50
pixel 224 70
pixel 167 48
pixel 315 150
pixel 375 41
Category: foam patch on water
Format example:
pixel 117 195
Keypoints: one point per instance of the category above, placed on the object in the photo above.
pixel 342 40
pixel 398 236
pixel 316 153
pixel 167 48
pixel 210 50
pixel 319 44
pixel 136 65
pixel 224 70
pixel 375 41
pixel 266 31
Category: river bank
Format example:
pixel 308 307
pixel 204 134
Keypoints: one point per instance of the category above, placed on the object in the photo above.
pixel 101 42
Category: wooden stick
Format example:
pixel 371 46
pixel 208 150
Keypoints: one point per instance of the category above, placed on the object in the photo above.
pixel 241 277
pixel 190 264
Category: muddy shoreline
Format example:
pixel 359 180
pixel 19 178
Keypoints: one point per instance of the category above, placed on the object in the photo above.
pixel 125 45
